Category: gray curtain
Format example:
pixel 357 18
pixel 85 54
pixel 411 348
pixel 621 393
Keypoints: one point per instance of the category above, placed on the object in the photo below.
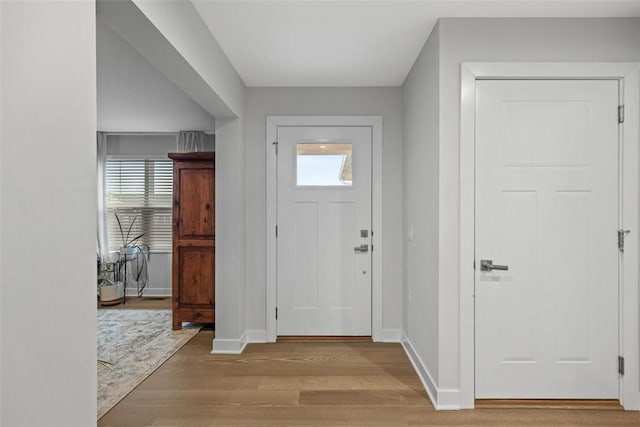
pixel 101 164
pixel 190 141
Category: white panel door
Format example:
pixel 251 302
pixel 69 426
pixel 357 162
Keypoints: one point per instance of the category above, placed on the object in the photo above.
pixel 324 231
pixel 547 207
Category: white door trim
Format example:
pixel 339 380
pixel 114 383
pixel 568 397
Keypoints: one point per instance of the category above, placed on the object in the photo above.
pixel 375 123
pixel 629 76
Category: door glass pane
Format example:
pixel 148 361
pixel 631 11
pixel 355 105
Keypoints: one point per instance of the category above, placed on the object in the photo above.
pixel 323 164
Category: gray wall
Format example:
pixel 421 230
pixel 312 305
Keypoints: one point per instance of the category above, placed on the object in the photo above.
pixel 181 25
pixel 158 145
pixel 47 214
pixel 134 96
pixel 421 201
pixel 48 117
pixel 462 40
pixel 386 102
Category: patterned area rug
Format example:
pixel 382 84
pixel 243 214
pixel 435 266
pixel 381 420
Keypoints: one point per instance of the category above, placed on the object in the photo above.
pixel 131 345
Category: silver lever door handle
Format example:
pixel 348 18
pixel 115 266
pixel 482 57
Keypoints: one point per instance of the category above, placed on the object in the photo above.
pixel 362 248
pixel 488 265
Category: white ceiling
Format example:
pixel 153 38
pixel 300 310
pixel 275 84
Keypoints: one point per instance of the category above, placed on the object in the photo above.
pixel 307 43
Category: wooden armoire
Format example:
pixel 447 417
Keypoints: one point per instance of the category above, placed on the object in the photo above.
pixel 194 238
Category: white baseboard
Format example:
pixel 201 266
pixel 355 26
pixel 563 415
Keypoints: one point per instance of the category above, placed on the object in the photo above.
pixel 423 373
pixel 256 336
pixel 448 399
pixel 391 335
pixel 442 399
pixel 229 346
pixel 153 292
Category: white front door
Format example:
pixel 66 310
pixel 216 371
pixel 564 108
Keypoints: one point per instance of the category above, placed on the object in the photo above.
pixel 547 207
pixel 324 231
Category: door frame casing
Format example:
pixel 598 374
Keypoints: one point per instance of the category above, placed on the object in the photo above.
pixel 628 74
pixel 373 122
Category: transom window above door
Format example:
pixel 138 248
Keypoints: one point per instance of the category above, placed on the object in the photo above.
pixel 321 164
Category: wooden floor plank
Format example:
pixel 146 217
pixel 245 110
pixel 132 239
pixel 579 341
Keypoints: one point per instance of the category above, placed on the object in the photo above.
pixel 523 417
pixel 311 384
pixel 141 303
pixel 296 416
pixel 336 382
pixel 183 380
pixel 332 338
pixel 363 398
pixel 612 405
pixel 208 397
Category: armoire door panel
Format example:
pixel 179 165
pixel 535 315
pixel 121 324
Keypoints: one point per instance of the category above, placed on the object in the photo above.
pixel 197 204
pixel 196 272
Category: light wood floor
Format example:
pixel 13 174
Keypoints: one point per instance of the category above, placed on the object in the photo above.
pixel 144 303
pixel 311 384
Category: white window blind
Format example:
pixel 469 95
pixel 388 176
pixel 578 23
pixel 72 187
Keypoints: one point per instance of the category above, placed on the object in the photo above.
pixel 143 189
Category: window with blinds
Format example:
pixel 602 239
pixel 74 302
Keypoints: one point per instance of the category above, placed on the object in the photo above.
pixel 141 189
